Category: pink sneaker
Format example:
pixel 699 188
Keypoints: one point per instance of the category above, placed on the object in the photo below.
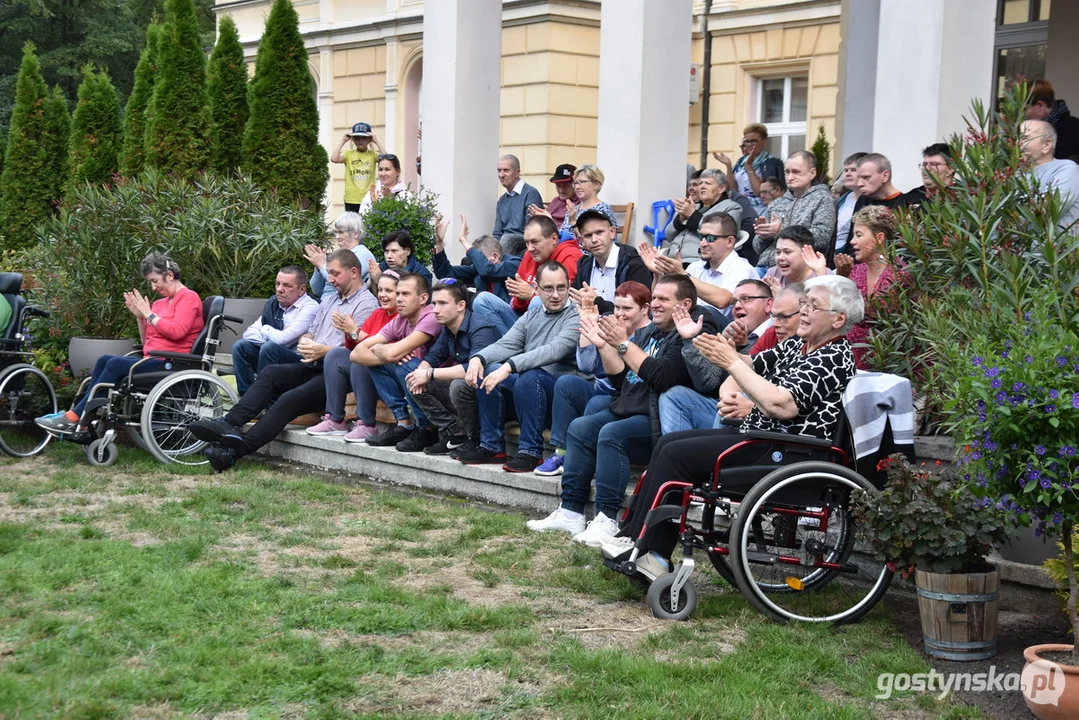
pixel 328 427
pixel 360 432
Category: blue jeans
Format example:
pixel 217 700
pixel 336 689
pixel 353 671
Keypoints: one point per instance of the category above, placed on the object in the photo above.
pixel 603 445
pixel 495 307
pixel 530 394
pixel 113 369
pixel 682 408
pixel 249 359
pixel 573 397
pixel 341 375
pixel 389 381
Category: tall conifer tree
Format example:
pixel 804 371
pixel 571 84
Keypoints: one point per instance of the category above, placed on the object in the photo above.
pixel 96 133
pixel 133 154
pixel 26 186
pixel 227 82
pixel 281 148
pixel 178 131
pixel 57 133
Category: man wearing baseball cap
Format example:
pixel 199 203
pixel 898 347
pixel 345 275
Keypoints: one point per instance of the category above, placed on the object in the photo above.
pixel 563 182
pixel 360 163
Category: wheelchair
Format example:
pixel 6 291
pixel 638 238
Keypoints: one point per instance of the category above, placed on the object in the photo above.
pixel 155 407
pixel 788 543
pixel 25 391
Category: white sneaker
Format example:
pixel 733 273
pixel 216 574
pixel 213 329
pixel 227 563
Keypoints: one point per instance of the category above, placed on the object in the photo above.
pixel 616 547
pixel 652 566
pixel 600 530
pixel 561 519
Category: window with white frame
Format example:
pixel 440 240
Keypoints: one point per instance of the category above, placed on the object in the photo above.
pixel 781 107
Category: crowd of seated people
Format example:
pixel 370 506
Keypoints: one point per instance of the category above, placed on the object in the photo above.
pixel 752 316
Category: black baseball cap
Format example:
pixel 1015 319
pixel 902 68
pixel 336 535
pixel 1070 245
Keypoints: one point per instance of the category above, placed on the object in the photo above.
pixel 361 129
pixel 563 173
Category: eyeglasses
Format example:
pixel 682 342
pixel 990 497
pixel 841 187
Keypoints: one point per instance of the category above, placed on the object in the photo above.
pixel 932 166
pixel 553 289
pixel 713 238
pixel 748 142
pixel 582 181
pixel 747 298
pixel 782 316
pixel 811 308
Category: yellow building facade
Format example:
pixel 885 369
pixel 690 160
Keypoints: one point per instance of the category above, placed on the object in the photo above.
pixel 772 61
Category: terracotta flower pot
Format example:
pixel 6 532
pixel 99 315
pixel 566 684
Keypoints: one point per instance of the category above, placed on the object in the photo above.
pixel 1050 689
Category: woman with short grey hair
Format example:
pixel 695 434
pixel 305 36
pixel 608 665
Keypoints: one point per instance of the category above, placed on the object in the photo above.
pixel 714 197
pixel 348 231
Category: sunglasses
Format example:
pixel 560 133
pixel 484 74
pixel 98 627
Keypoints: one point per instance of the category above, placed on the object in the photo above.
pixel 713 238
pixel 387 156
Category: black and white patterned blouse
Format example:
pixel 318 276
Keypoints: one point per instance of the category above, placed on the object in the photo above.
pixel 815 380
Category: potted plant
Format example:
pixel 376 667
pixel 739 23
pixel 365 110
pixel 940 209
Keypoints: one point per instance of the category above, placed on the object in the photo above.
pixel 931 523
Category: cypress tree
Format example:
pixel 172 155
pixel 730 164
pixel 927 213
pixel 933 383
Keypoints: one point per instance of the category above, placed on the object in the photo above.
pixel 178 132
pixel 26 198
pixel 95 129
pixel 281 148
pixel 58 132
pixel 133 153
pixel 227 82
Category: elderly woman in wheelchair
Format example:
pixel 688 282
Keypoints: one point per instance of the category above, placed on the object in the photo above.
pixel 788 515
pixel 170 324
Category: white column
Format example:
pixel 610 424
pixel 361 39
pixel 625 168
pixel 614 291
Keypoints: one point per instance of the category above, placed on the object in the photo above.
pixel 643 103
pixel 462 52
pixel 933 59
pixel 858 30
pixel 390 139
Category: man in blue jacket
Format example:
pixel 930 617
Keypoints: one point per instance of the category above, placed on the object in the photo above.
pixel 440 378
pixel 489 268
pixel 608 263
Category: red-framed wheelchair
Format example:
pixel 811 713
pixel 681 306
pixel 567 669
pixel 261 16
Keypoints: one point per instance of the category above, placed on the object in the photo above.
pixel 785 539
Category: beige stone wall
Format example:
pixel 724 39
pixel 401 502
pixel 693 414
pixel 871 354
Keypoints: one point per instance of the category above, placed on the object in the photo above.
pixel 550 98
pixel 739 58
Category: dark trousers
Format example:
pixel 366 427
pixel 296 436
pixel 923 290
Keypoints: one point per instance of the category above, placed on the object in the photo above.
pixel 294 389
pixel 688 456
pixel 443 411
pixel 113 369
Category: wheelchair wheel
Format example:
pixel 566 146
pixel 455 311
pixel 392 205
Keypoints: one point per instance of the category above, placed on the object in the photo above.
pixel 659 599
pixel 25 393
pixel 173 404
pixel 795 551
pixel 100 454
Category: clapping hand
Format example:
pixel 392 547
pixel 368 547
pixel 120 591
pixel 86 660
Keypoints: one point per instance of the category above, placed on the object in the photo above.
pixel 669 265
pixel 722 159
pixel 519 289
pixel 684 207
pixel 843 264
pixel 649 254
pixel 534 210
pixel 767 228
pixel 343 322
pixel 571 212
pixel 137 304
pixel 734 406
pixel 441 225
pixel 590 331
pixel 737 332
pixel 585 297
pixel 717 349
pixel 814 260
pixel 462 237
pixel 315 254
pixel 373 271
pixel 684 323
pixel 773 282
pixel 612 331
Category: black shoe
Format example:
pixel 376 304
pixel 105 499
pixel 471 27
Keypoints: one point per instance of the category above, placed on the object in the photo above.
pixel 455 441
pixel 446 445
pixel 522 463
pixel 212 430
pixel 221 458
pixel 418 440
pixel 466 447
pixel 390 437
pixel 480 456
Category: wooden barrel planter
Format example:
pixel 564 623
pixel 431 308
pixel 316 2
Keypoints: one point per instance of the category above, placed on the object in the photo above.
pixel 959 613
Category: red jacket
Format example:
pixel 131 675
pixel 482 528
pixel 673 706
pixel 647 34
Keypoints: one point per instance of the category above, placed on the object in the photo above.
pixel 567 253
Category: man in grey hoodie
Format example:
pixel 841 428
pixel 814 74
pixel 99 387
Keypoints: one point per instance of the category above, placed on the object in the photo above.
pixel 806 202
pixel 521 368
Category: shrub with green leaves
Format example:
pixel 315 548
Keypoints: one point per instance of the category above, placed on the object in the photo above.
pixel 823 153
pixel 228 236
pixel 27 186
pixel 929 521
pixel 280 146
pixel 178 130
pixel 227 82
pixel 96 133
pixel 415 213
pixel 133 153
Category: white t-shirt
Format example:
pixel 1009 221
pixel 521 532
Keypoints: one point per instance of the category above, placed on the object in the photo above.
pixel 733 270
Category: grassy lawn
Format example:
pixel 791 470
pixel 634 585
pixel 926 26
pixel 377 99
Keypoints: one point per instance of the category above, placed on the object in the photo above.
pixel 142 591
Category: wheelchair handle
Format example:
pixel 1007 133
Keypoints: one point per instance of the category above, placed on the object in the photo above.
pixel 232 318
pixel 36 312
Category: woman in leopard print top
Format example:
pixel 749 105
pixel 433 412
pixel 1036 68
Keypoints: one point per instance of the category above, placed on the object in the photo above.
pixel 796 387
